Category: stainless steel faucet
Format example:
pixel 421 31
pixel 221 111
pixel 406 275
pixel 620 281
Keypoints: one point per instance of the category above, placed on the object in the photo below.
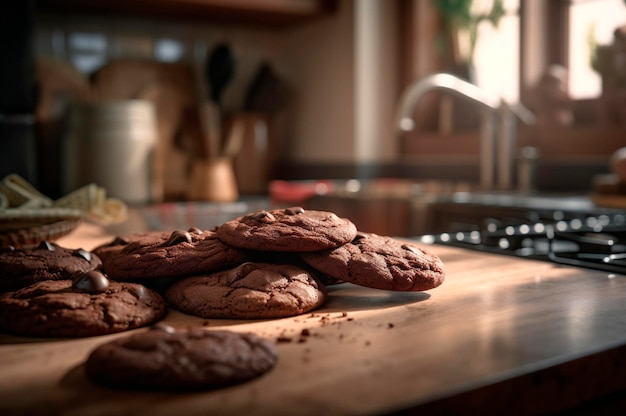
pixel 498 125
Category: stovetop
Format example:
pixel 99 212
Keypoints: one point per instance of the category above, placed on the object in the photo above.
pixel 583 240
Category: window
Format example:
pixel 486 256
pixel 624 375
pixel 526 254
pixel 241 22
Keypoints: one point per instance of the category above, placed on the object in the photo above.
pixel 531 37
pixel 591 23
pixel 497 54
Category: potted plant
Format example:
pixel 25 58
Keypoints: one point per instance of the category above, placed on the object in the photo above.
pixel 461 22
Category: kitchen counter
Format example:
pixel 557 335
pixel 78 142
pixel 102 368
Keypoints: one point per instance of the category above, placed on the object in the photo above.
pixel 501 336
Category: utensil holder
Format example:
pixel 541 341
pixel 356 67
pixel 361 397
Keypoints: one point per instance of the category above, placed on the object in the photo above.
pixel 213 180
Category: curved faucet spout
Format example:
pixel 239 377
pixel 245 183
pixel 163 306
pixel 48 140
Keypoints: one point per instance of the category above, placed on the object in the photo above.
pixel 497 125
pixel 441 81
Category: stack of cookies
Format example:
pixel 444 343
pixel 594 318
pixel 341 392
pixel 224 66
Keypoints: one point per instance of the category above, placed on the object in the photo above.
pixel 266 264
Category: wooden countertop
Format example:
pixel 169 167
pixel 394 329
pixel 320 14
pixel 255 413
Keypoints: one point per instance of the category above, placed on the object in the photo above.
pixel 501 335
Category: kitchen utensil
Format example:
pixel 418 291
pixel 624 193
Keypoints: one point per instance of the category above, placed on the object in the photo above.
pixel 210 128
pixel 235 137
pixel 253 158
pixel 213 178
pixel 220 70
pixel 266 93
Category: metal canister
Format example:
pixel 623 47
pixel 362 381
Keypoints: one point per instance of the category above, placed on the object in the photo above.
pixel 111 144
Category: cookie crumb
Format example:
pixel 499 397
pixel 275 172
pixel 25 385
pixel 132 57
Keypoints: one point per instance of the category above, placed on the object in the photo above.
pixel 283 339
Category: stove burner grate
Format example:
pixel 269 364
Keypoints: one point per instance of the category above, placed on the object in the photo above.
pixel 594 242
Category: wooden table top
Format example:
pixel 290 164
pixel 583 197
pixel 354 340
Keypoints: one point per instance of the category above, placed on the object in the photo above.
pixel 500 333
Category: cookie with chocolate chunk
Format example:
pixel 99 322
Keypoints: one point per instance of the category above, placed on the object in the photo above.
pixel 170 254
pixel 249 291
pixel 164 358
pixel 48 261
pixel 115 245
pixel 287 230
pixel 87 305
pixel 380 262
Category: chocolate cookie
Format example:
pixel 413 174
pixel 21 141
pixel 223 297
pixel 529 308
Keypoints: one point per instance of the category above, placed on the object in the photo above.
pixel 381 263
pixel 167 359
pixel 89 305
pixel 119 242
pixel 249 291
pixel 48 261
pixel 170 254
pixel 287 230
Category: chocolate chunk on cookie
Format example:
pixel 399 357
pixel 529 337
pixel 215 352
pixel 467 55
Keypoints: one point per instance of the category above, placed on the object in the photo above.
pixel 48 261
pixel 117 244
pixel 164 358
pixel 287 230
pixel 249 291
pixel 380 262
pixel 169 254
pixel 88 305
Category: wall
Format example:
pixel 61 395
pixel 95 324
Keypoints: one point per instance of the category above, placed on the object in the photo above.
pixel 376 74
pixel 319 57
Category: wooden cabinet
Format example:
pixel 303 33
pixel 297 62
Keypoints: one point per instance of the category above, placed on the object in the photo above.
pixel 262 12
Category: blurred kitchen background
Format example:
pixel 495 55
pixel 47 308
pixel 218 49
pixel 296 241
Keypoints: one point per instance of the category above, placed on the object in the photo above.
pixel 217 100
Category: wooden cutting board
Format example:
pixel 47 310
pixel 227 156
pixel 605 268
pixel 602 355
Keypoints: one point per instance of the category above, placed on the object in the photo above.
pixel 501 336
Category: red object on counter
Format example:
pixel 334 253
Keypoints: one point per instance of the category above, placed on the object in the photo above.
pixel 297 191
